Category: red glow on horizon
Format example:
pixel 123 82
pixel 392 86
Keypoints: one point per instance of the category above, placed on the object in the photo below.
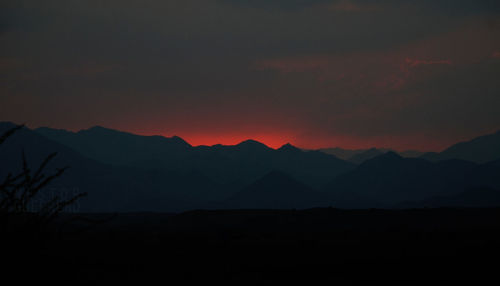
pixel 271 140
pixel 420 142
pixel 304 138
pixel 275 141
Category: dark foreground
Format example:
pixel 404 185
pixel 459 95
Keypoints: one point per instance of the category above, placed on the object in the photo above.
pixel 401 247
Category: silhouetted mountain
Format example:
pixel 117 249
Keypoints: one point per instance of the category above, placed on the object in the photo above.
pixel 289 148
pixel 132 173
pixel 252 146
pixel 366 155
pixel 358 156
pixel 472 198
pixel 390 179
pixel 311 167
pixel 480 150
pixel 237 165
pixel 411 153
pixel 37 148
pixel 109 188
pixel 118 148
pixel 341 153
pixel 154 173
pixel 493 163
pixel 277 190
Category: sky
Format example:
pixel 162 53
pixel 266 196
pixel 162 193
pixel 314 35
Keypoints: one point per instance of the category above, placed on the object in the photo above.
pixel 317 73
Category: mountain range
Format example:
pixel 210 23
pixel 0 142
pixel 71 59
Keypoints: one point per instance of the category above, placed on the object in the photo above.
pixel 241 163
pixel 126 172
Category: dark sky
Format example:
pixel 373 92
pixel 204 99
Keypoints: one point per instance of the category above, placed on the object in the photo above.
pixel 316 73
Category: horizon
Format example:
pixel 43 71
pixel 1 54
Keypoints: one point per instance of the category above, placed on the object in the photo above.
pixel 238 140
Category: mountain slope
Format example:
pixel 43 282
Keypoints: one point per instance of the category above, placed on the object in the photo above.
pixel 390 179
pixel 358 156
pixel 342 153
pixel 480 150
pixel 366 155
pixel 277 190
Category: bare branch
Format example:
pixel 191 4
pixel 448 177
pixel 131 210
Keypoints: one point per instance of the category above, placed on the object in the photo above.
pixel 9 133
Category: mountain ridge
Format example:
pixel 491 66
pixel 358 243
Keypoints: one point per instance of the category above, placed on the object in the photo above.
pixel 245 161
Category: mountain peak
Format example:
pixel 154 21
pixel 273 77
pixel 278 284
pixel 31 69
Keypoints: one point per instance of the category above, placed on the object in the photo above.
pixel 179 140
pixel 251 143
pixel 289 148
pixel 387 157
pixel 98 129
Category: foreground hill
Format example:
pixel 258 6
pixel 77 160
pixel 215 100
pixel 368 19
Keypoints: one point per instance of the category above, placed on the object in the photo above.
pixel 348 247
pixel 471 198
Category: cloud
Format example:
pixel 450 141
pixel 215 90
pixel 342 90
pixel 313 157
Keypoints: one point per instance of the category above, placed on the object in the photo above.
pixel 9 63
pixel 289 5
pixel 376 71
pixel 291 65
pixel 496 55
pixel 91 69
pixel 351 6
pixel 415 63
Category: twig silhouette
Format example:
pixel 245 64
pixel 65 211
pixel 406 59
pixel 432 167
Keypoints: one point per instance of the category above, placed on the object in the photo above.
pixel 17 191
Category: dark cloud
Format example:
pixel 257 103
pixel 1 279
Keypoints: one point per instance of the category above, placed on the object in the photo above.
pixel 316 71
pixel 275 4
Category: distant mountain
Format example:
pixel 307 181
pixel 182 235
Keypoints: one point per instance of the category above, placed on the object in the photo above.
pixel 238 164
pixel 390 179
pixel 410 153
pixel 480 150
pixel 341 153
pixel 358 156
pixel 366 155
pixel 277 190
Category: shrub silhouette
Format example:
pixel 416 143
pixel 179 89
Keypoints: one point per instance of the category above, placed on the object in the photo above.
pixel 16 191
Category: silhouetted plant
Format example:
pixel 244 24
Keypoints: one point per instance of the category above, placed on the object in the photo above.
pixel 18 190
